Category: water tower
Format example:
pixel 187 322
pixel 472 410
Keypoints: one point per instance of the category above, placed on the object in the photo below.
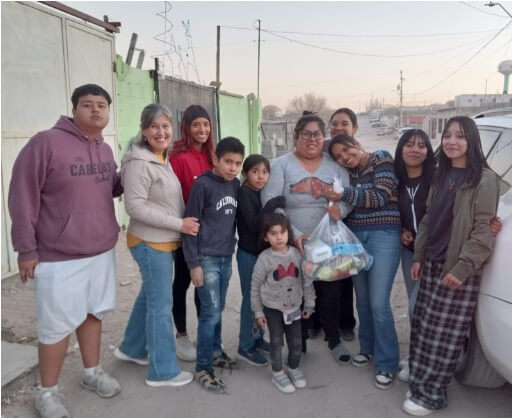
pixel 505 68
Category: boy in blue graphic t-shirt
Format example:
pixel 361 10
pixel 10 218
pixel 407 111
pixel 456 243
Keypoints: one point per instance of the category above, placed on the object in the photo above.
pixel 213 201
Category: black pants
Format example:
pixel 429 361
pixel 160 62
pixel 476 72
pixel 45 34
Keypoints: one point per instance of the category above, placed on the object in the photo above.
pixel 328 303
pixel 347 319
pixel 346 307
pixel 179 292
pixel 276 329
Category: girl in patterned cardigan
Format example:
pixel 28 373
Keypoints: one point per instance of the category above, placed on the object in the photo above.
pixel 375 220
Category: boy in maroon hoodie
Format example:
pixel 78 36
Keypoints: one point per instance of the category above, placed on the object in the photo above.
pixel 64 230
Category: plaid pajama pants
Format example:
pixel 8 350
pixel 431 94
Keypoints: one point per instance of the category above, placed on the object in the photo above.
pixel 441 320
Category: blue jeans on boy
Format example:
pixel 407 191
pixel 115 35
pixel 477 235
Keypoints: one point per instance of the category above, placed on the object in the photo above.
pixel 250 333
pixel 377 334
pixel 150 328
pixel 411 285
pixel 212 294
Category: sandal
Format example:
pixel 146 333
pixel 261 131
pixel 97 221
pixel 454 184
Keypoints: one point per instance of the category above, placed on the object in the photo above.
pixel 210 382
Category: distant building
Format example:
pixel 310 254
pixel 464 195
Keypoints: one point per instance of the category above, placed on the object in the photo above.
pixel 482 100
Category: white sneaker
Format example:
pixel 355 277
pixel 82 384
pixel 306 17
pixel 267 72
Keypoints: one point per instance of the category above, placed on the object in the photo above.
pixel 49 405
pixel 297 378
pixel 282 382
pixel 184 378
pixel 102 383
pixel 185 350
pixel 414 409
pixel 403 375
pixel 403 363
pixel 125 357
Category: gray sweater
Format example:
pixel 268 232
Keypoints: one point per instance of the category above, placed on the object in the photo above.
pixel 152 196
pixel 278 283
pixel 304 207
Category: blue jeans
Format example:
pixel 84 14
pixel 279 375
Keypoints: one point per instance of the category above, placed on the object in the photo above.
pixel 216 273
pixel 150 328
pixel 377 334
pixel 411 285
pixel 250 332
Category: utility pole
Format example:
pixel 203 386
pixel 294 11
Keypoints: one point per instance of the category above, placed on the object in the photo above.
pixel 401 98
pixel 217 78
pixel 259 33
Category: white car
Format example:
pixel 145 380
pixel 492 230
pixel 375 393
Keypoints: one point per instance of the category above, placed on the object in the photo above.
pixel 401 131
pixel 486 360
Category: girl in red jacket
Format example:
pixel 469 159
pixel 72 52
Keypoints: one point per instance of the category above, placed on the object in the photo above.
pixel 190 157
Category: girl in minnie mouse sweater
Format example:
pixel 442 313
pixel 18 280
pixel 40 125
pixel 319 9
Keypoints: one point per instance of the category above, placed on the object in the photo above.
pixel 280 296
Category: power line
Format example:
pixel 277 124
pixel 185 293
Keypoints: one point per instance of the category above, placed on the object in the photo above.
pixel 480 10
pixel 468 60
pixel 338 51
pixel 344 35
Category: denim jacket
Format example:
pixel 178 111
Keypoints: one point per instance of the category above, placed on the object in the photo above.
pixel 471 241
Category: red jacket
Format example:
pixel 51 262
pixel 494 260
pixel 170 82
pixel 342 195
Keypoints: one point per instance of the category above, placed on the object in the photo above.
pixel 188 166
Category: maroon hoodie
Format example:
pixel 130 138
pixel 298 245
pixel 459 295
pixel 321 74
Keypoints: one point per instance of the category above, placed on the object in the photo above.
pixel 60 196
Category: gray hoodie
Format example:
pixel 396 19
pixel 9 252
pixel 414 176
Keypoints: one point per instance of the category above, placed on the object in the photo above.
pixel 152 195
pixel 278 283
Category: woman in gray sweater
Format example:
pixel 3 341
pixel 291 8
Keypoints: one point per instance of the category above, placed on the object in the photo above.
pixel 302 176
pixel 154 202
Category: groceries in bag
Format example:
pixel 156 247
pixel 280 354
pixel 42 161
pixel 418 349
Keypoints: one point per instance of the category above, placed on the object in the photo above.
pixel 333 252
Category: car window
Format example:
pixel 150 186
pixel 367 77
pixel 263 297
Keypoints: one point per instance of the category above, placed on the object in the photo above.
pixel 500 157
pixel 488 136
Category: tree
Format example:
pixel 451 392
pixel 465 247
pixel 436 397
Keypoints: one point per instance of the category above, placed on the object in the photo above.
pixel 270 112
pixel 309 101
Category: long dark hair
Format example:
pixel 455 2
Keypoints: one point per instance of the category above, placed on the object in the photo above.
pixel 183 145
pixel 429 165
pixel 475 156
pixel 268 220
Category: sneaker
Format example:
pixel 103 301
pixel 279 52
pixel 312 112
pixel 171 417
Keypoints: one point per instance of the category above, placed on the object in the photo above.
pixel 49 405
pixel 253 357
pixel 182 379
pixel 361 359
pixel 408 395
pixel 297 378
pixel 384 380
pixel 414 409
pixel 348 334
pixel 225 362
pixel 403 363
pixel 185 350
pixel 102 383
pixel 282 382
pixel 262 345
pixel 125 357
pixel 210 382
pixel 341 354
pixel 403 375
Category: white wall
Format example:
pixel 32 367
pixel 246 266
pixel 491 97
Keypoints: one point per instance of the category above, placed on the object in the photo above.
pixel 45 56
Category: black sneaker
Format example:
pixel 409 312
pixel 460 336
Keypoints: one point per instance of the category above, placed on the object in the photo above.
pixel 253 357
pixel 384 380
pixel 210 382
pixel 225 362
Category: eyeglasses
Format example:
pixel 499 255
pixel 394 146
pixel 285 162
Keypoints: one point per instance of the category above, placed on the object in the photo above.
pixel 311 136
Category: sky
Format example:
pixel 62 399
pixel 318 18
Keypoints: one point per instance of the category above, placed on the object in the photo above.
pixel 347 52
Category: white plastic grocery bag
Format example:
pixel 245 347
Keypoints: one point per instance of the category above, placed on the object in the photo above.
pixel 333 252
